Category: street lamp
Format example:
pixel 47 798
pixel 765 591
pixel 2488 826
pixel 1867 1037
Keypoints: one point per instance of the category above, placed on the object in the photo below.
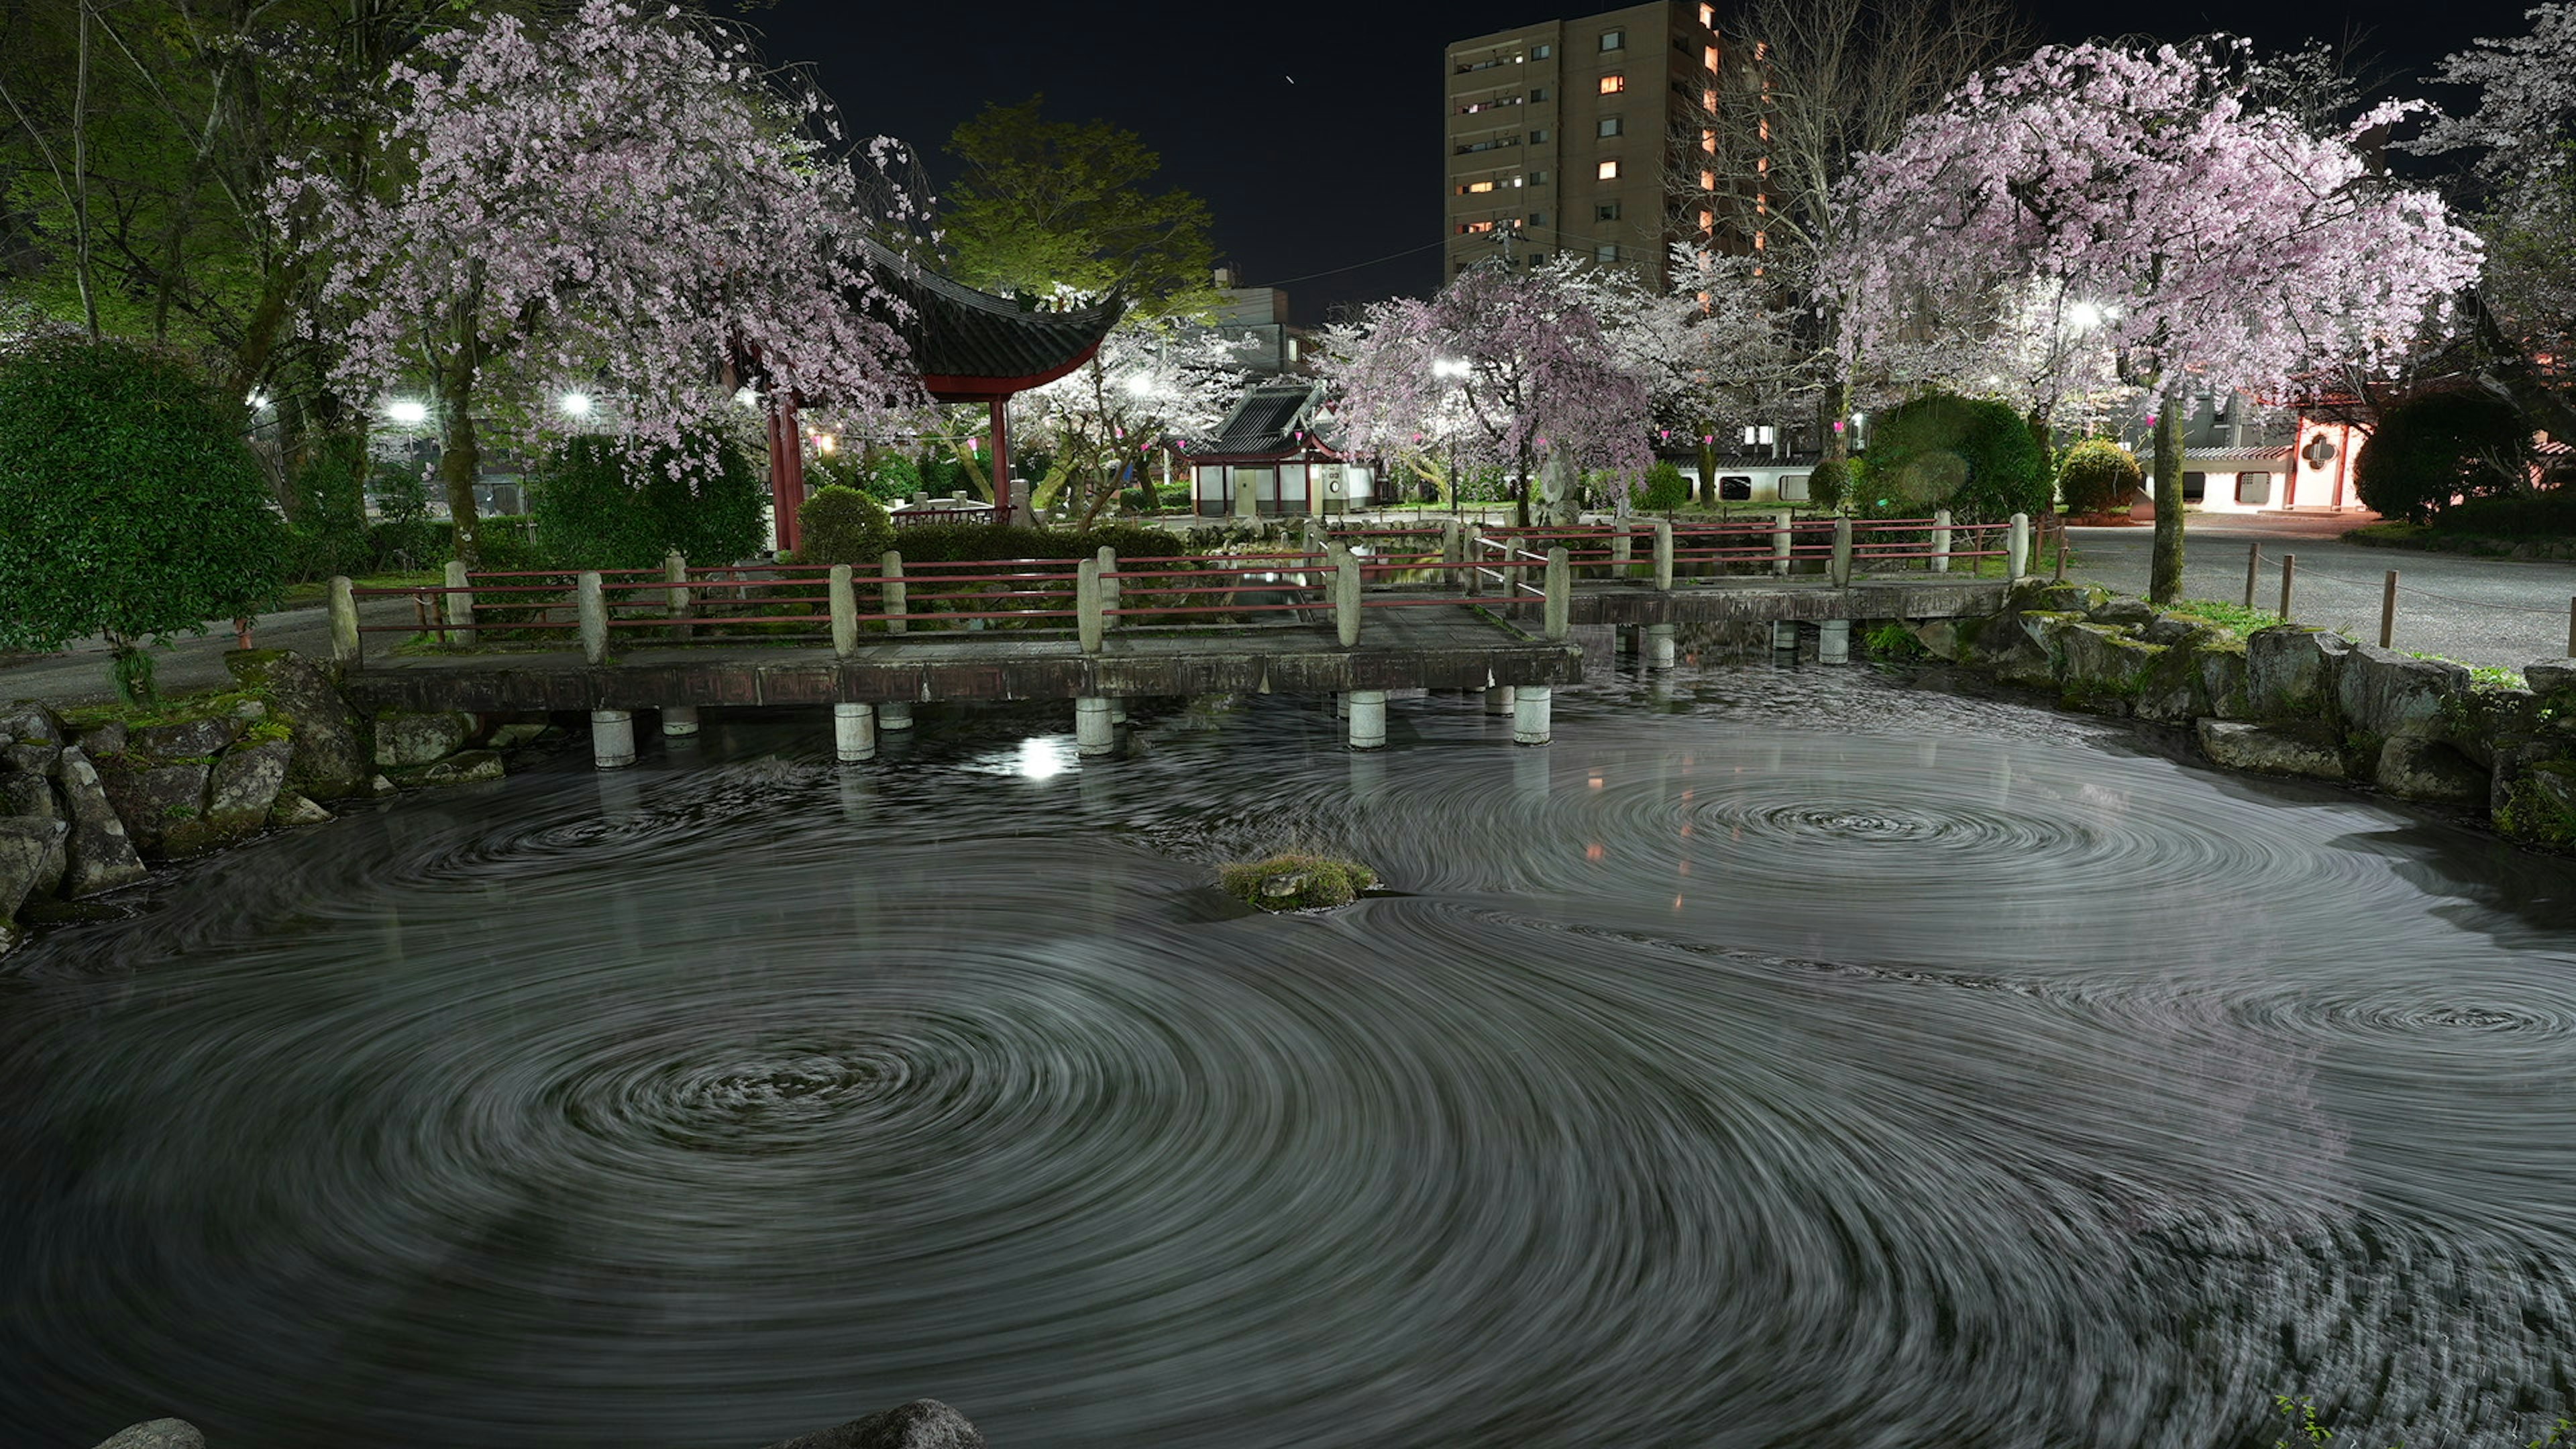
pixel 575 404
pixel 410 412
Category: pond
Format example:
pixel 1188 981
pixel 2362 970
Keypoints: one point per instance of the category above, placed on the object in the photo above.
pixel 1782 1056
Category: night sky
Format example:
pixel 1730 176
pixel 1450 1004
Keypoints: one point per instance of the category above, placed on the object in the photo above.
pixel 1329 185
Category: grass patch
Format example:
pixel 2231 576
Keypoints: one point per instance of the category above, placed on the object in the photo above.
pixel 1296 881
pixel 2236 619
pixel 173 709
pixel 1892 640
pixel 2481 676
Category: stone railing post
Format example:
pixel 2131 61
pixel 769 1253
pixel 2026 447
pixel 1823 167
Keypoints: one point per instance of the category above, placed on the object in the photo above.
pixel 1109 589
pixel 1086 604
pixel 1453 542
pixel 676 599
pixel 592 602
pixel 845 612
pixel 1664 554
pixel 1783 535
pixel 1940 540
pixel 890 593
pixel 1560 594
pixel 344 622
pixel 1346 596
pixel 1623 552
pixel 457 604
pixel 1471 547
pixel 1842 553
pixel 2017 548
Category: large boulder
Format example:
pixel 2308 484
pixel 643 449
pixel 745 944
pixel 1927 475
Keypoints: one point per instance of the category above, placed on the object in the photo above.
pixel 158 1434
pixel 2023 648
pixel 2535 801
pixel 2101 668
pixel 2273 749
pixel 404 738
pixel 195 739
pixel 2290 671
pixel 102 854
pixel 331 757
pixel 245 785
pixel 163 805
pixel 31 861
pixel 2485 723
pixel 2123 613
pixel 31 796
pixel 463 768
pixel 2383 693
pixel 921 1424
pixel 2548 676
pixel 28 721
pixel 2036 595
pixel 2415 768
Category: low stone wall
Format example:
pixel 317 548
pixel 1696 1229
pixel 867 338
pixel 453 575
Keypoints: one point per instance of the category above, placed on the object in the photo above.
pixel 921 1424
pixel 2294 700
pixel 84 811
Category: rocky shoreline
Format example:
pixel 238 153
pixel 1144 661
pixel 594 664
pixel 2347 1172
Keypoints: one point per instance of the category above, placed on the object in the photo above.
pixel 921 1424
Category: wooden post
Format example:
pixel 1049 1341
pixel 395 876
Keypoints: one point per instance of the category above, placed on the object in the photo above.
pixel 592 602
pixel 458 604
pixel 2017 547
pixel 890 596
pixel 1940 540
pixel 1664 554
pixel 1842 552
pixel 1346 596
pixel 1086 604
pixel 2061 549
pixel 2571 627
pixel 2289 572
pixel 1560 594
pixel 676 600
pixel 2388 612
pixel 1108 586
pixel 344 622
pixel 845 613
pixel 2253 565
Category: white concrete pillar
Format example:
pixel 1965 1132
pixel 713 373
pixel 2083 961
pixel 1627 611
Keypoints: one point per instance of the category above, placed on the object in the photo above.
pixel 1661 651
pixel 1530 711
pixel 2017 546
pixel 1117 711
pixel 1833 642
pixel 679 719
pixel 1498 699
pixel 1368 718
pixel 1342 704
pixel 895 714
pixel 1940 540
pixel 612 738
pixel 1784 635
pixel 854 732
pixel 1093 734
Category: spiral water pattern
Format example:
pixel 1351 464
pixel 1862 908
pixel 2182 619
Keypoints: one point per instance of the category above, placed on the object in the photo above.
pixel 1779 1057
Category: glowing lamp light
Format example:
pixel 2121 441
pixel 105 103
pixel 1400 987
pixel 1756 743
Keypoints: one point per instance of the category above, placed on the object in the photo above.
pixel 747 397
pixel 2084 316
pixel 409 412
pixel 826 443
pixel 575 404
pixel 259 402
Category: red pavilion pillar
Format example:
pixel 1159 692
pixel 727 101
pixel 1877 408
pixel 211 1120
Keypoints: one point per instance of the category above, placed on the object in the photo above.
pixel 786 470
pixel 1002 458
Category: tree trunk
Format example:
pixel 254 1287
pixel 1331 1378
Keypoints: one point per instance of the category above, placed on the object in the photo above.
pixel 1707 462
pixel 1521 490
pixel 80 178
pixel 2164 575
pixel 460 457
pixel 1835 440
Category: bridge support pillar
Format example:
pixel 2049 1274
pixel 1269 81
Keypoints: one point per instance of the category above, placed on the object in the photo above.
pixel 1660 647
pixel 1833 642
pixel 1530 710
pixel 1093 732
pixel 1368 718
pixel 894 714
pixel 1498 699
pixel 1784 636
pixel 679 719
pixel 854 732
pixel 612 738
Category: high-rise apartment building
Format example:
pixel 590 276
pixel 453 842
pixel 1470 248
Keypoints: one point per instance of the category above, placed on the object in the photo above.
pixel 1577 136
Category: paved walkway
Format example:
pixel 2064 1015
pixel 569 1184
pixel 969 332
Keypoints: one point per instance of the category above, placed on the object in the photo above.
pixel 79 675
pixel 2475 610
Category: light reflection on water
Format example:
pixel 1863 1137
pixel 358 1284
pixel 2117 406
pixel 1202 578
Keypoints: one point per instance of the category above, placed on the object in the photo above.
pixel 1778 1057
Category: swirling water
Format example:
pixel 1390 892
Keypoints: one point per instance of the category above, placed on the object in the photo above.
pixel 1778 1058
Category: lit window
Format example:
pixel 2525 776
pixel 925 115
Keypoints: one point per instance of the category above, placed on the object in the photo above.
pixel 1708 16
pixel 1609 171
pixel 1542 52
pixel 1612 85
pixel 1475 186
pixel 1606 211
pixel 1613 39
pixel 1708 181
pixel 1708 57
pixel 1708 141
pixel 1611 126
pixel 1708 99
pixel 1707 221
pixel 1475 226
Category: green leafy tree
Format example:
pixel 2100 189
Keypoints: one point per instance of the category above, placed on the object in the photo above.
pixel 129 504
pixel 1046 205
pixel 2438 448
pixel 610 503
pixel 1973 456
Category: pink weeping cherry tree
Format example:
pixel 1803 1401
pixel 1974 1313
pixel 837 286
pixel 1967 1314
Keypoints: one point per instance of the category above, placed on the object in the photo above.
pixel 620 204
pixel 2217 243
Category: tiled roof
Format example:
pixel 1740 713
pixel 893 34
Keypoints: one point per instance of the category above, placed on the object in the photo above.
pixel 1265 424
pixel 2236 455
pixel 966 343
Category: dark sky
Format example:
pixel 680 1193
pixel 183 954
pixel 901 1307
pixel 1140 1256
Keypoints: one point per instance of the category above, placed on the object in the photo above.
pixel 1338 173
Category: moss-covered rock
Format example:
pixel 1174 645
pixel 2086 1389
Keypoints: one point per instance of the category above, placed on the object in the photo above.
pixel 1296 881
pixel 2538 806
pixel 2101 668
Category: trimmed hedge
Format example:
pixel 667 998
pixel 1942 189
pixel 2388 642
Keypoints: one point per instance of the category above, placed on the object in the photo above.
pixel 841 525
pixel 1664 490
pixel 2099 476
pixel 1973 456
pixel 604 503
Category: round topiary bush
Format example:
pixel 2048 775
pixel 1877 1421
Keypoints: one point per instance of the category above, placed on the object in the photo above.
pixel 1296 881
pixel 2099 476
pixel 1830 483
pixel 130 505
pixel 1973 456
pixel 841 525
pixel 1664 490
pixel 2436 449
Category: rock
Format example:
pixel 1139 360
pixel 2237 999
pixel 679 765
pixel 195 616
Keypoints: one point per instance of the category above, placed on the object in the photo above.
pixel 2059 598
pixel 196 739
pixel 163 805
pixel 251 709
pixel 27 721
pixel 1940 638
pixel 292 809
pixel 2487 719
pixel 2223 675
pixel 465 767
pixel 2384 693
pixel 2124 613
pixel 158 1434
pixel 31 759
pixel 417 739
pixel 104 740
pixel 31 861
pixel 2545 676
pixel 245 785
pixel 2274 750
pixel 329 760
pixel 1284 885
pixel 921 1424
pixel 2101 668
pixel 511 736
pixel 2534 801
pixel 2169 629
pixel 2023 648
pixel 379 785
pixel 102 854
pixel 2422 769
pixel 2290 671
pixel 31 796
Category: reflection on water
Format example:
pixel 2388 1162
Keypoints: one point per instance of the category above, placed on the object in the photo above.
pixel 1778 1058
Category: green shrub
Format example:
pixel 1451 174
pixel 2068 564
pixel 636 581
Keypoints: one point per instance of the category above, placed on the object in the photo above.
pixel 1665 489
pixel 2436 447
pixel 1973 456
pixel 2512 515
pixel 329 528
pixel 841 525
pixel 1830 483
pixel 2099 476
pixel 129 503
pixel 607 503
pixel 1892 640
pixel 1296 881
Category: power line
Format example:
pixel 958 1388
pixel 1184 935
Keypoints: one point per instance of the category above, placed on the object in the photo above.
pixel 1355 266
